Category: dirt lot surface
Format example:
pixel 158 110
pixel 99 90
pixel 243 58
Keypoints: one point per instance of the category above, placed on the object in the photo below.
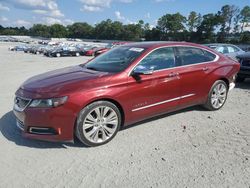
pixel 188 148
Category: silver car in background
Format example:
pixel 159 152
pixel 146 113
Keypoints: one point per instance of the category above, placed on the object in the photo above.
pixel 227 49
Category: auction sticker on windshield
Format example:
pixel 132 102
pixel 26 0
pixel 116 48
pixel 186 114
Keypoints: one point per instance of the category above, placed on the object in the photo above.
pixel 136 49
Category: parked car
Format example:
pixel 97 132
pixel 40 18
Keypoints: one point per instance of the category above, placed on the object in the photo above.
pixel 39 49
pixel 244 72
pixel 28 49
pixel 18 48
pixel 104 49
pixel 227 49
pixel 64 51
pixel 91 51
pixel 125 85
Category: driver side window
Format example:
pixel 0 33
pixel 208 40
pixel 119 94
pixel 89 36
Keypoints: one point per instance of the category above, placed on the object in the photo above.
pixel 159 59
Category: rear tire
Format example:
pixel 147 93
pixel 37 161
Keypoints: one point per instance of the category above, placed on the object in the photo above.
pixel 217 96
pixel 98 123
pixel 58 55
pixel 77 54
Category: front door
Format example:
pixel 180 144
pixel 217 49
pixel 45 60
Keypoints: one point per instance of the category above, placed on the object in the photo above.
pixel 157 92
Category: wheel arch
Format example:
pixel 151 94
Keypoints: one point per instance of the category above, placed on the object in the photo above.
pixel 115 102
pixel 225 80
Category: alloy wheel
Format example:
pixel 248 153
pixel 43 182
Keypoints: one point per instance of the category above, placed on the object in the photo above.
pixel 100 124
pixel 218 96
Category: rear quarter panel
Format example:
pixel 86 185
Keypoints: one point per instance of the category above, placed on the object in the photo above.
pixel 223 69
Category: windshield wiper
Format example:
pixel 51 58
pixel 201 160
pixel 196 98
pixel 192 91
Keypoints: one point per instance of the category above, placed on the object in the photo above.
pixel 91 68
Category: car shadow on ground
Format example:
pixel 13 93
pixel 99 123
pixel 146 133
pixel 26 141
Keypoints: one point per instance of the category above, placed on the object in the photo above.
pixel 192 108
pixel 10 131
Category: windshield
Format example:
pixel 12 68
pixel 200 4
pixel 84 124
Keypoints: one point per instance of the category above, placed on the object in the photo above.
pixel 115 60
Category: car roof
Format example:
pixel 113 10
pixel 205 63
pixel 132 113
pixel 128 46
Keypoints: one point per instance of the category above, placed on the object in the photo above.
pixel 219 44
pixel 156 44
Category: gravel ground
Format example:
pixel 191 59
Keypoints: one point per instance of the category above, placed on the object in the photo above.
pixel 188 148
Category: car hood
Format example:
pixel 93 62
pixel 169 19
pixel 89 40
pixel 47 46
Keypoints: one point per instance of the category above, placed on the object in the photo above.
pixel 62 81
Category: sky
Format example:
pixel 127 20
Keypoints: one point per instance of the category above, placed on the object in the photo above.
pixel 27 12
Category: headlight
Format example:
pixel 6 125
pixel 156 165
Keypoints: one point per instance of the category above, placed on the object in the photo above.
pixel 47 103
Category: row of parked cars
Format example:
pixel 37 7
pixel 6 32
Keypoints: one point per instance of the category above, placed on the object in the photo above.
pixel 62 50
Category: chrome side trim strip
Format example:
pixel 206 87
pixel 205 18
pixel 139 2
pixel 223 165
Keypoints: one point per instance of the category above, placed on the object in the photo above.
pixel 163 102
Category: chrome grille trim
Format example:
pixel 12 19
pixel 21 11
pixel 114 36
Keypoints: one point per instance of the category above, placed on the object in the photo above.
pixel 20 125
pixel 21 103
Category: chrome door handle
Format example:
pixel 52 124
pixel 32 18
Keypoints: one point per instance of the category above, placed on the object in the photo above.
pixel 205 68
pixel 173 74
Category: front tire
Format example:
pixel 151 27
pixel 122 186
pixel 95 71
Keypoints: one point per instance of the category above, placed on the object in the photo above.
pixel 98 123
pixel 217 96
pixel 58 55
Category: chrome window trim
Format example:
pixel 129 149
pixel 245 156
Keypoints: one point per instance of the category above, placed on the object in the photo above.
pixel 216 58
pixel 163 102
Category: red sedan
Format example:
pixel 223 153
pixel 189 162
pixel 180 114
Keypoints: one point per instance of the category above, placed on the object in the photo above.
pixel 128 84
pixel 91 52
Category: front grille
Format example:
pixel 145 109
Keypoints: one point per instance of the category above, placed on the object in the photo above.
pixel 245 63
pixel 21 103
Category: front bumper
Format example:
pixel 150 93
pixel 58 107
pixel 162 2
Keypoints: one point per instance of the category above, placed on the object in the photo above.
pixel 50 124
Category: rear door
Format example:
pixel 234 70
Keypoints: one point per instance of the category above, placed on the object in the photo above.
pixel 195 65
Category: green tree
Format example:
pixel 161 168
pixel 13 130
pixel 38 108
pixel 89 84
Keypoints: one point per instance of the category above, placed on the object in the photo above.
pixel 226 15
pixel 80 30
pixel 236 21
pixel 245 17
pixel 58 31
pixel 40 30
pixel 170 25
pixel 132 32
pixel 205 32
pixel 193 21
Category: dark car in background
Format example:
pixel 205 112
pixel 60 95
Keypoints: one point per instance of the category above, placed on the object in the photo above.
pixel 244 72
pixel 229 50
pixel 64 51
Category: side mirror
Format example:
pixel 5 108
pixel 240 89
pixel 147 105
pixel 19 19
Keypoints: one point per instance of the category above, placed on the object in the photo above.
pixel 141 70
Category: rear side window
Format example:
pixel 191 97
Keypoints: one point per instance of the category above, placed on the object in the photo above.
pixel 209 56
pixel 190 55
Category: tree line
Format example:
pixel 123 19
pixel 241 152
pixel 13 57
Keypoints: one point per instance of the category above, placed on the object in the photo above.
pixel 227 25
